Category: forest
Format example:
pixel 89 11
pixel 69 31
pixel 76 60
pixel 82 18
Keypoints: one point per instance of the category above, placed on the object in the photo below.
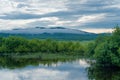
pixel 105 50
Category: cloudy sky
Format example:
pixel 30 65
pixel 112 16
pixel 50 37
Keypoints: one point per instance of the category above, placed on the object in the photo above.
pixel 89 15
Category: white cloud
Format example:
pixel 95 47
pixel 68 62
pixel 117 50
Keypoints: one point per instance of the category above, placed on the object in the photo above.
pixel 51 19
pixel 7 6
pixel 33 6
pixel 80 21
pixel 91 18
pixel 44 6
pixel 50 22
pixel 33 74
pixel 101 30
pixel 11 24
pixel 62 23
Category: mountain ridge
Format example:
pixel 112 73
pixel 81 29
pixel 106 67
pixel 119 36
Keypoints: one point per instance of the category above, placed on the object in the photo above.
pixel 41 30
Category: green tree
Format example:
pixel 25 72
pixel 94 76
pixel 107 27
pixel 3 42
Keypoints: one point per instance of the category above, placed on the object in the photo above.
pixel 107 51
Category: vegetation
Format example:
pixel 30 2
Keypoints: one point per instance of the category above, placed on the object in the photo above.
pixel 20 46
pixel 56 36
pixel 106 50
pixel 20 61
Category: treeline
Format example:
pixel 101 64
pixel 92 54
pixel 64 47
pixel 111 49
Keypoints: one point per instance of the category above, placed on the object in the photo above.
pixel 19 45
pixel 106 49
pixel 56 36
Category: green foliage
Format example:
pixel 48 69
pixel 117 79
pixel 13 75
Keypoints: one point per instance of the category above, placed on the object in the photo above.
pixel 107 49
pixel 20 61
pixel 90 49
pixel 19 45
pixel 103 54
pixel 119 51
pixel 91 46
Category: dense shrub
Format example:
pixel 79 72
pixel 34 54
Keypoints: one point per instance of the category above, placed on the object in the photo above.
pixel 106 50
pixel 21 45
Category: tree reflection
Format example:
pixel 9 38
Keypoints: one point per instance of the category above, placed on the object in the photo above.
pixel 12 62
pixel 97 73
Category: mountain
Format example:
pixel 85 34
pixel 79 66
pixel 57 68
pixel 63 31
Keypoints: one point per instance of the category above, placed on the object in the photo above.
pixel 57 33
pixel 41 30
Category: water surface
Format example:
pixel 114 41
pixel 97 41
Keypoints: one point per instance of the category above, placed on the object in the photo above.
pixel 35 69
pixel 75 70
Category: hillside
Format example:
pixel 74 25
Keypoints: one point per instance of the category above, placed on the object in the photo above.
pixel 58 33
pixel 41 30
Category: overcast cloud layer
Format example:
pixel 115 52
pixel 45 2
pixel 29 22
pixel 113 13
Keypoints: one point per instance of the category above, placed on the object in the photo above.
pixel 79 14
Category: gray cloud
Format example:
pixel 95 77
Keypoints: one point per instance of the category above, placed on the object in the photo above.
pixel 19 15
pixel 68 12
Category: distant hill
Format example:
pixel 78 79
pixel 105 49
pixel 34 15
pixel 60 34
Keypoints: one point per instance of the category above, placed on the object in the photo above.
pixel 41 30
pixel 58 33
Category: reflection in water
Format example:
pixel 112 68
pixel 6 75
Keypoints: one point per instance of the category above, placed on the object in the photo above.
pixel 33 74
pixel 56 69
pixel 84 63
pixel 97 73
pixel 12 63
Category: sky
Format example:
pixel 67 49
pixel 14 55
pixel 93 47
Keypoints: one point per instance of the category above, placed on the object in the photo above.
pixel 89 15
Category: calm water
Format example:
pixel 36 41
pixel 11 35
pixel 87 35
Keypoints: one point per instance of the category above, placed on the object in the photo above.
pixel 71 70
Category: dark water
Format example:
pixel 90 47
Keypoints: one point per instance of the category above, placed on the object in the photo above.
pixel 53 70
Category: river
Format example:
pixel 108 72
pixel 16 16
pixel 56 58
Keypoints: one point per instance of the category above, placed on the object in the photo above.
pixel 68 70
